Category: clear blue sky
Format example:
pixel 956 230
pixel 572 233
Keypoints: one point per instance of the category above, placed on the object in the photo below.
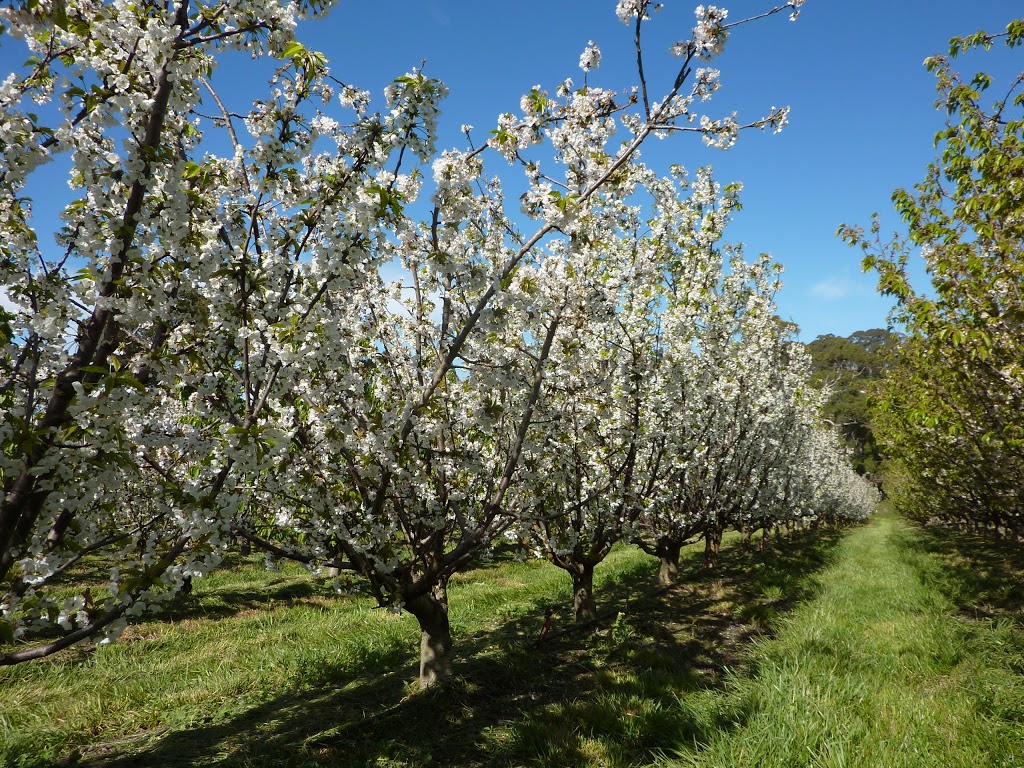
pixel 862 118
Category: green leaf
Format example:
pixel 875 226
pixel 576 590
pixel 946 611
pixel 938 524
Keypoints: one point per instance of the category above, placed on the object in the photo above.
pixel 125 380
pixel 293 49
pixel 60 14
pixel 192 170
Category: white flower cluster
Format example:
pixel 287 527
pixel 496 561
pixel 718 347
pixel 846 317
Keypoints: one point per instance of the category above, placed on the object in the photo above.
pixel 710 34
pixel 720 134
pixel 263 342
pixel 591 57
pixel 627 10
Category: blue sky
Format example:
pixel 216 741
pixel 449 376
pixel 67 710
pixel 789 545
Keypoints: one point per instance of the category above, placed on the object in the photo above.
pixel 862 118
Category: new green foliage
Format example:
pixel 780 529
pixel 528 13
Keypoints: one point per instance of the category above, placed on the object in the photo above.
pixel 950 412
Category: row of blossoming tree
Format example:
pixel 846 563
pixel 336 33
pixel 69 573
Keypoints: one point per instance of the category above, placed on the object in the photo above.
pixel 215 355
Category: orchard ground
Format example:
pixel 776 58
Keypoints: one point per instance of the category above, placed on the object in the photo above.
pixel 880 645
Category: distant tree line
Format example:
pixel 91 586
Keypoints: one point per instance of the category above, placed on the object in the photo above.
pixel 847 368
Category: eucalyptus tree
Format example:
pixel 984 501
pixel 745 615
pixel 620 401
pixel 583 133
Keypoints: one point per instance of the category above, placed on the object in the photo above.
pixel 849 368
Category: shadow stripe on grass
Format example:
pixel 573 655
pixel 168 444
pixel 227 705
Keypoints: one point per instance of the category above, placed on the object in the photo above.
pixel 879 669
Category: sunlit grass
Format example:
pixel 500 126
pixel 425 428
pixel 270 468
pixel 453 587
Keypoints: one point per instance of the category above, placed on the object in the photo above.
pixel 244 637
pixel 855 648
pixel 877 670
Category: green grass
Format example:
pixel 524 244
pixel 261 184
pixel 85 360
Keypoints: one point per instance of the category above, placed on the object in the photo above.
pixel 877 646
pixel 251 646
pixel 259 668
pixel 880 669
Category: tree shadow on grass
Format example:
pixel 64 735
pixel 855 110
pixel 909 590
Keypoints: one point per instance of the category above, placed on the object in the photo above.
pixel 982 575
pixel 619 693
pixel 218 601
pixel 224 602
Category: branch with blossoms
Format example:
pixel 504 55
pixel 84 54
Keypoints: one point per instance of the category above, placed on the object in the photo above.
pixel 231 354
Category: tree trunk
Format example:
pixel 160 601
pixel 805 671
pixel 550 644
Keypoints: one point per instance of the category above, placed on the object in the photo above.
pixel 441 592
pixel 668 552
pixel 712 543
pixel 583 594
pixel 435 638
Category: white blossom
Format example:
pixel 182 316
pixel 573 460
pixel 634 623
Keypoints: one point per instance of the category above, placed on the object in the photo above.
pixel 591 57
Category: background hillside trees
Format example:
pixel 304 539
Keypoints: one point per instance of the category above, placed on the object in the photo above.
pixel 847 367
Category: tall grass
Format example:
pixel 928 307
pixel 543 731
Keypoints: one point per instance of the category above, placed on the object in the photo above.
pixel 878 670
pixel 879 646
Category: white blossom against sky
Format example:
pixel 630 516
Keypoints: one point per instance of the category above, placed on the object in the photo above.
pixel 862 119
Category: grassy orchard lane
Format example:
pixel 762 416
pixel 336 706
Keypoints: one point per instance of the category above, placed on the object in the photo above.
pixel 878 670
pixel 868 664
pixel 261 669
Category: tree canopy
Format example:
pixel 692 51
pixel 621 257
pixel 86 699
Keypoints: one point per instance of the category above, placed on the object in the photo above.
pixel 220 350
pixel 848 368
pixel 950 410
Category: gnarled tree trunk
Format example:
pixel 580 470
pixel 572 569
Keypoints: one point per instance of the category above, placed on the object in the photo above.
pixel 712 543
pixel 668 553
pixel 583 593
pixel 435 636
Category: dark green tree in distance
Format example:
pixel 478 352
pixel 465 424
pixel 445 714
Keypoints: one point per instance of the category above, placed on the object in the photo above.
pixel 850 367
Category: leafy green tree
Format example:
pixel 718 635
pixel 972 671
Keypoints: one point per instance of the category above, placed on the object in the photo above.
pixel 950 411
pixel 848 367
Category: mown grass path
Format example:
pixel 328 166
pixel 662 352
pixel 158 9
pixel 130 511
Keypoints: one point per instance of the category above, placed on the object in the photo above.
pixel 880 668
pixel 878 646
